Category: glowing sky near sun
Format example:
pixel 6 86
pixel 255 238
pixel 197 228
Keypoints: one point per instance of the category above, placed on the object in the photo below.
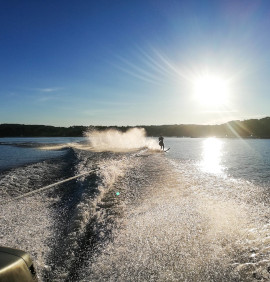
pixel 134 62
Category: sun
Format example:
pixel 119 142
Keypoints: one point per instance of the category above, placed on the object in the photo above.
pixel 211 90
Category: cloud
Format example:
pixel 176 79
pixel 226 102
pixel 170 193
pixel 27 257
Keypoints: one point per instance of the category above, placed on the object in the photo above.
pixel 52 89
pixel 46 94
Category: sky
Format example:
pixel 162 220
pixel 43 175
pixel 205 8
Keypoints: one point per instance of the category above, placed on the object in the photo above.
pixel 66 63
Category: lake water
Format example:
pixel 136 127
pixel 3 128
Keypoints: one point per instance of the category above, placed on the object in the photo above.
pixel 199 212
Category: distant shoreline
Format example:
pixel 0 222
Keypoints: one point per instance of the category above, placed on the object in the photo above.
pixel 252 128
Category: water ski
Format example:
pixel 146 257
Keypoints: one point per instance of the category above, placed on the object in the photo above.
pixel 167 150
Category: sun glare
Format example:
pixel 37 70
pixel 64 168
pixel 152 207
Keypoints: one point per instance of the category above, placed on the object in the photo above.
pixel 211 90
pixel 212 156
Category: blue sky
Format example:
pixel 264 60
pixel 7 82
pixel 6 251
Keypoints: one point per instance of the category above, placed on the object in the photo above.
pixel 100 62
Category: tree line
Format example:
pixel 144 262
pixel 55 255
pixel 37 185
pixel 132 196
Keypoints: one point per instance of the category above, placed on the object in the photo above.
pixel 252 128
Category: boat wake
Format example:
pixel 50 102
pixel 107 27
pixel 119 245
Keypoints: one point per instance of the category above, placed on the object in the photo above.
pixel 134 216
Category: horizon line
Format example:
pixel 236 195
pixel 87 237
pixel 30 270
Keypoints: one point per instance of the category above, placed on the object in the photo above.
pixel 134 125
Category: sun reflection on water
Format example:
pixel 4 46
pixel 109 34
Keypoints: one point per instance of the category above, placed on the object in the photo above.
pixel 212 155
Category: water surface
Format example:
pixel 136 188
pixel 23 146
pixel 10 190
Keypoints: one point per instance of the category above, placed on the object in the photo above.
pixel 197 213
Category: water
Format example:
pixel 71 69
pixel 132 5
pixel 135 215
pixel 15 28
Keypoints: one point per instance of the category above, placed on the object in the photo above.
pixel 20 151
pixel 197 213
pixel 247 159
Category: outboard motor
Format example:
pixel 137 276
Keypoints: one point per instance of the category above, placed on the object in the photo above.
pixel 16 266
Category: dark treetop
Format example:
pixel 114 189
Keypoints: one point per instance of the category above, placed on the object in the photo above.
pixel 252 128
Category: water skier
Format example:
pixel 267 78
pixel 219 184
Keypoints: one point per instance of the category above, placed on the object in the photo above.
pixel 161 143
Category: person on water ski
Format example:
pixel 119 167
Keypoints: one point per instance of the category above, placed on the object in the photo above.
pixel 161 144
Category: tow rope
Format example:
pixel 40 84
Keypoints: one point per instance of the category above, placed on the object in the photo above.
pixel 46 187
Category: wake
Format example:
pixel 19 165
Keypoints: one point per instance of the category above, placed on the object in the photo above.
pixel 115 140
pixel 111 140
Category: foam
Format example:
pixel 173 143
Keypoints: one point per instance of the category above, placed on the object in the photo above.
pixel 189 226
pixel 177 223
pixel 115 140
pixel 110 140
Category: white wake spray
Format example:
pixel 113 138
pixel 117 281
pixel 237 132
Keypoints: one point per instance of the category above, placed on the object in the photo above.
pixel 115 140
